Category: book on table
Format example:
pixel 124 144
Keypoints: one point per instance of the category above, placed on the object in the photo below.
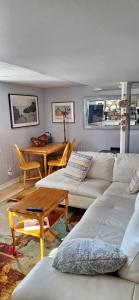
pixel 33 224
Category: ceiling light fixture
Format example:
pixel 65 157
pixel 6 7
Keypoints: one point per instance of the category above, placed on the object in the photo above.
pixel 97 89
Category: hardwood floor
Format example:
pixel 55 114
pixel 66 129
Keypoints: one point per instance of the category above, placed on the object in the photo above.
pixel 14 189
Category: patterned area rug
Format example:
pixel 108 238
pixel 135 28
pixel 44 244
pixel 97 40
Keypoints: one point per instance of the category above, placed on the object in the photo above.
pixel 13 270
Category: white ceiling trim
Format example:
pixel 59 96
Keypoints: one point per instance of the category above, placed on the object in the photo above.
pixel 20 75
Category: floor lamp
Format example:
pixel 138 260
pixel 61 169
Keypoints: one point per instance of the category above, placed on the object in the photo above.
pixel 64 113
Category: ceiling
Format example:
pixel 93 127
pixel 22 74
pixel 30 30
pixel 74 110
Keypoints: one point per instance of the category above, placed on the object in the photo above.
pixel 49 43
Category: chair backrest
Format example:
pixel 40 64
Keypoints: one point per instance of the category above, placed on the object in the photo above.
pixel 72 147
pixel 64 158
pixel 20 157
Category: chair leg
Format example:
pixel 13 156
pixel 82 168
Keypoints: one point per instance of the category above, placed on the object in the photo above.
pixel 24 178
pixel 28 174
pixel 50 170
pixel 20 175
pixel 39 173
pixel 36 172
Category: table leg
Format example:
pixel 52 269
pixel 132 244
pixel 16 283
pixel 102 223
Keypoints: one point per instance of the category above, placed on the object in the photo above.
pixel 66 210
pixel 10 217
pixel 41 221
pixel 45 164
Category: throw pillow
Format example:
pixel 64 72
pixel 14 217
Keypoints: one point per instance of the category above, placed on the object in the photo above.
pixel 78 166
pixel 134 184
pixel 137 203
pixel 130 247
pixel 88 256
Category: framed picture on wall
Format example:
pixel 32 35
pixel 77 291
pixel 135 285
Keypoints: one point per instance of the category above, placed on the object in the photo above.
pixel 63 111
pixel 24 110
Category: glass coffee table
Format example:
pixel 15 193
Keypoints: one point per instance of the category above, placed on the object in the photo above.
pixel 37 205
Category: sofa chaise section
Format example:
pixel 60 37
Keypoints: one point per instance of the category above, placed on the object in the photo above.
pixel 106 218
pixel 82 194
pixel 46 283
pixel 103 219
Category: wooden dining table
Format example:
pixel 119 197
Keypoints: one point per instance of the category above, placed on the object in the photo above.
pixel 43 151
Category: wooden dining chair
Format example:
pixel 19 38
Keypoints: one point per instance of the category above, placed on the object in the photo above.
pixel 27 166
pixel 59 162
pixel 72 147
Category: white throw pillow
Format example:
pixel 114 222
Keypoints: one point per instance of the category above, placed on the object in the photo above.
pixel 130 247
pixel 125 167
pixel 78 166
pixel 134 184
pixel 137 203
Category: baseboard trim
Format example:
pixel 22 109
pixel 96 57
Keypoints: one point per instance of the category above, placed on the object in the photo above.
pixel 8 183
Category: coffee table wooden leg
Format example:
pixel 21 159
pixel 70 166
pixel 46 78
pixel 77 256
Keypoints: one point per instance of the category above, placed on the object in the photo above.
pixel 41 221
pixel 10 217
pixel 66 210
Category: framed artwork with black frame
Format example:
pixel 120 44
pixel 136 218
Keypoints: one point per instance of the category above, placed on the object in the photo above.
pixel 63 111
pixel 24 110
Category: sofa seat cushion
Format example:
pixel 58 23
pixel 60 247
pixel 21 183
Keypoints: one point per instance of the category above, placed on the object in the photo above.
pixel 44 282
pixel 93 187
pixel 121 190
pixel 125 166
pixel 105 219
pixel 89 187
pixel 80 201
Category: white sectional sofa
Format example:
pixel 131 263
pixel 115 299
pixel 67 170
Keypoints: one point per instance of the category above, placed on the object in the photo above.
pixel 106 218
pixel 82 194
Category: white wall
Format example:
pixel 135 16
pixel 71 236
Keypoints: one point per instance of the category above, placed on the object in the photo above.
pixel 89 139
pixel 95 140
pixel 21 136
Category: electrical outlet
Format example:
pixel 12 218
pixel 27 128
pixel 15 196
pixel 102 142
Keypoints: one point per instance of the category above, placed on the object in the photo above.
pixel 10 172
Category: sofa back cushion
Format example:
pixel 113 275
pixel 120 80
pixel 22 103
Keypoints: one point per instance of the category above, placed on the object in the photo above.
pixel 102 165
pixel 125 166
pixel 130 247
